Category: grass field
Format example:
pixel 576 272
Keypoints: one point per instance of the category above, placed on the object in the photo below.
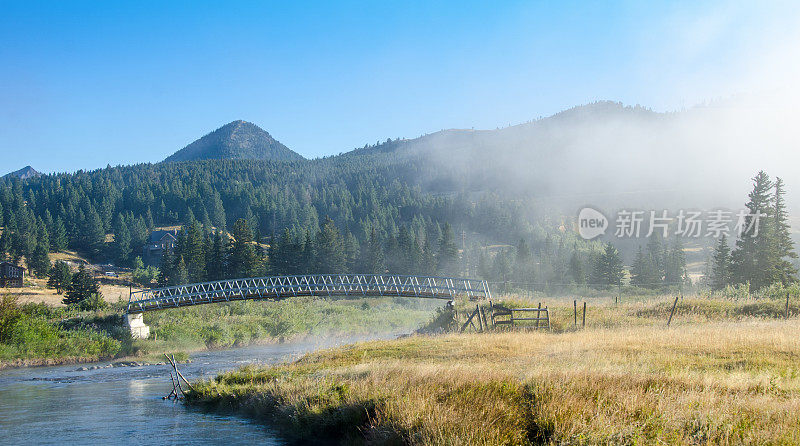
pixel 726 372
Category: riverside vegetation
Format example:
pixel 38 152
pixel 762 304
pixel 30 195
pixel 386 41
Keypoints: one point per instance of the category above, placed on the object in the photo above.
pixel 725 372
pixel 38 334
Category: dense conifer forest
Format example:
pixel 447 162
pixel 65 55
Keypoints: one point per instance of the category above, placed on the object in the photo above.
pixel 368 213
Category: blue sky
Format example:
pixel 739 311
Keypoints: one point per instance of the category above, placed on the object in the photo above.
pixel 85 84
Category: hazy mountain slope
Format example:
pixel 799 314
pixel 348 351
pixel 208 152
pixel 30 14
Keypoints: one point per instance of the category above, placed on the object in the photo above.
pixel 236 140
pixel 609 154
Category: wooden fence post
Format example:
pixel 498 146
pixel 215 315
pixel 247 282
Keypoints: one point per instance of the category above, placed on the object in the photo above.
pixel 538 315
pixel 673 310
pixel 575 312
pixel 548 318
pixel 787 305
pixel 583 323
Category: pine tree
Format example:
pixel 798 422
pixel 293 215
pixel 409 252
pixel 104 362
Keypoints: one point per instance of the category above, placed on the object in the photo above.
pixel 638 270
pixel 754 257
pixel 576 270
pixel 722 269
pixel 428 261
pixel 448 252
pixel 60 277
pixel 608 268
pixel 81 287
pixel 166 268
pixel 307 255
pixel 351 250
pixel 181 275
pixel 242 259
pixel 409 251
pixel 675 267
pixel 58 236
pixel 122 242
pixel 372 260
pixel 92 235
pixel 39 261
pixel 215 264
pixel 194 254
pixel 783 246
pixel 330 252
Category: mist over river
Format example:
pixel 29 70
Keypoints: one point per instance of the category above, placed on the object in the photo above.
pixel 124 405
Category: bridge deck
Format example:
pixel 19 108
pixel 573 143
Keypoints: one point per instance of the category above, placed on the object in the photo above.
pixel 319 285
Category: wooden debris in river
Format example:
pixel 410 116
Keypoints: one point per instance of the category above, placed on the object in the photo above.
pixel 176 381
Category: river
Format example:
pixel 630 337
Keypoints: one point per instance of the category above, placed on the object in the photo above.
pixel 63 405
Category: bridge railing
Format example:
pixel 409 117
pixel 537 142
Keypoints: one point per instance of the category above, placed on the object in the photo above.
pixel 279 287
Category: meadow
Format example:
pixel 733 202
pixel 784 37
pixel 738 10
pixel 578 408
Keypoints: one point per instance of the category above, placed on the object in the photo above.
pixel 725 372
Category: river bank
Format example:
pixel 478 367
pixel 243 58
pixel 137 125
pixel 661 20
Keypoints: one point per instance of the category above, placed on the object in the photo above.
pixel 38 334
pixel 720 374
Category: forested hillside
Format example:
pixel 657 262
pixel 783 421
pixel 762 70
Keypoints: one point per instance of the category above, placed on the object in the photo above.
pixel 374 203
pixel 501 199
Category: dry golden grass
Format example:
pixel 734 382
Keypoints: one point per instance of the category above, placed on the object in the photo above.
pixel 717 382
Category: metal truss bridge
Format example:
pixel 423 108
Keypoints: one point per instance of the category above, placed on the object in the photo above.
pixel 318 285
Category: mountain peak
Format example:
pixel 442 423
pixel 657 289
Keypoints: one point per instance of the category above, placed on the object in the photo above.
pixel 236 140
pixel 24 173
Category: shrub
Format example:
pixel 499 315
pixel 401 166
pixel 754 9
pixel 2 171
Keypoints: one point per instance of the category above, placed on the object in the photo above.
pixel 9 314
pixel 95 302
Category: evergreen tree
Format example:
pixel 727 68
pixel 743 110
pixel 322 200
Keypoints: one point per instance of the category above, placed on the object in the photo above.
pixel 576 270
pixel 81 287
pixel 638 269
pixel 754 257
pixel 608 268
pixel 307 255
pixel 180 275
pixel 448 252
pixel 242 259
pixel 351 250
pixel 39 261
pixel 372 261
pixel 122 242
pixel 675 267
pixel 5 244
pixel 427 264
pixel 783 246
pixel 92 235
pixel 330 252
pixel 722 269
pixel 60 277
pixel 215 261
pixel 166 268
pixel 409 252
pixel 58 236
pixel 194 254
pixel 501 267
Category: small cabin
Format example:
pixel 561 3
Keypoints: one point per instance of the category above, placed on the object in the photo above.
pixel 11 275
pixel 158 242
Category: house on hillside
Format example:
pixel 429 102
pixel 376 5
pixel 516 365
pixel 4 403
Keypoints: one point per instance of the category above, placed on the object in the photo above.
pixel 11 275
pixel 158 242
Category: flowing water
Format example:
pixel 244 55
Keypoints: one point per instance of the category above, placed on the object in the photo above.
pixel 123 405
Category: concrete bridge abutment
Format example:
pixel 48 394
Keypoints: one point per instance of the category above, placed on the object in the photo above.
pixel 136 325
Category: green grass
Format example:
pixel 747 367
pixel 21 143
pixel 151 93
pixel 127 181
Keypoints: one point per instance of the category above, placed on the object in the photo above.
pixel 39 334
